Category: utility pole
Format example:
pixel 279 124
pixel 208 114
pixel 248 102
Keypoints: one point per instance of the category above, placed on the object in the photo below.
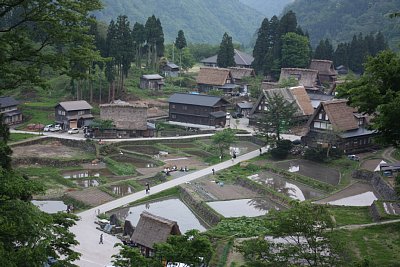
pixel 173 52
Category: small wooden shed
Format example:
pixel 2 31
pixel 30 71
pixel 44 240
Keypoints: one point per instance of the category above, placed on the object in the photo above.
pixel 152 81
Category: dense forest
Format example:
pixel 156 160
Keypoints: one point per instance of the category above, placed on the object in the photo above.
pixel 203 21
pixel 339 20
pixel 268 8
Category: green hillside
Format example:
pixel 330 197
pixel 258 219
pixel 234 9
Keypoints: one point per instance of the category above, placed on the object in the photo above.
pixel 203 21
pixel 268 8
pixel 339 20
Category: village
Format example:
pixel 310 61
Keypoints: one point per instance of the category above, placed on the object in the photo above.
pixel 138 151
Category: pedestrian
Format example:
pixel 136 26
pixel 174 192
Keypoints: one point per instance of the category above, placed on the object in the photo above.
pixel 101 239
pixel 260 151
pixel 213 171
pixel 148 187
pixel 220 158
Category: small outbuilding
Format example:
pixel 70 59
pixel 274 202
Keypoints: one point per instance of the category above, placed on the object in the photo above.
pixel 9 110
pixel 152 229
pixel 152 81
pixel 244 108
pixel 170 70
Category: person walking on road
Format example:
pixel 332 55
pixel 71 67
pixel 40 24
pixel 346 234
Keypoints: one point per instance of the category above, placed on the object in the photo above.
pixel 101 239
pixel 147 188
pixel 213 171
pixel 260 151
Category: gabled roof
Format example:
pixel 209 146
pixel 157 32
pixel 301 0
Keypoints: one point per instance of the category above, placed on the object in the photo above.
pixel 241 59
pixel 75 105
pixel 340 115
pixel 152 77
pixel 213 76
pixel 240 73
pixel 8 101
pixel 295 94
pixel 194 99
pixel 306 77
pixel 153 229
pixel 245 105
pixel 172 65
pixel 218 114
pixel 324 67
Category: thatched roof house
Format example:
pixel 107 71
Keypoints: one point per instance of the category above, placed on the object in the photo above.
pixel 305 77
pixel 125 115
pixel 214 78
pixel 152 229
pixel 336 118
pixel 238 74
pixel 298 95
pixel 326 70
pixel 242 60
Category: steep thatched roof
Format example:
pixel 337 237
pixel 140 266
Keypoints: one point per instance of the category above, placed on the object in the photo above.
pixel 153 229
pixel 125 115
pixel 213 76
pixel 306 77
pixel 295 94
pixel 324 67
pixel 240 73
pixel 340 115
pixel 241 59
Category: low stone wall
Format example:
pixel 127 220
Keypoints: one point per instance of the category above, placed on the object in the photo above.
pixel 378 183
pixel 262 190
pixel 373 210
pixel 48 162
pixel 85 145
pixel 199 207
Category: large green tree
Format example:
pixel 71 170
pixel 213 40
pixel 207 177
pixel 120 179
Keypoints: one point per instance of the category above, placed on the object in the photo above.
pixel 29 236
pixel 295 51
pixel 261 48
pixel 223 139
pixel 226 53
pixel 36 34
pixel 377 93
pixel 180 43
pixel 278 113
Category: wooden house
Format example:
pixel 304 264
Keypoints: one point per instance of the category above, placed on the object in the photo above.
pixel 73 114
pixel 336 123
pixel 198 109
pixel 244 108
pixel 242 60
pixel 305 77
pixel 215 79
pixel 170 70
pixel 239 74
pixel 326 70
pixel 9 110
pixel 129 120
pixel 152 81
pixel 298 95
pixel 152 229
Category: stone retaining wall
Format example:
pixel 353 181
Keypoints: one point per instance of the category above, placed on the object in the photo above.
pixel 48 162
pixel 199 207
pixel 373 210
pixel 377 182
pixel 82 144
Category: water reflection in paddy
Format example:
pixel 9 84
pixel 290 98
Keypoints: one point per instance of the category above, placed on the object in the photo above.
pixel 121 190
pixel 172 209
pixel 284 186
pixel 363 199
pixel 85 173
pixel 50 206
pixel 87 183
pixel 243 207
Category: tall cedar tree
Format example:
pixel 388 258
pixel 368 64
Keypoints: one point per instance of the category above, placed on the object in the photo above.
pixel 139 39
pixel 226 53
pixel 277 114
pixel 154 41
pixel 29 236
pixel 324 50
pixel 261 48
pixel 295 51
pixel 180 43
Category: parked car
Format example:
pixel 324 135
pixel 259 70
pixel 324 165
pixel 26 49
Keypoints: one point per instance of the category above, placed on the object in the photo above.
pixel 237 115
pixel 47 127
pixel 73 131
pixel 353 157
pixel 228 115
pixel 56 128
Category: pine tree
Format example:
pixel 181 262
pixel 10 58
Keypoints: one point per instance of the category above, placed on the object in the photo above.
pixel 261 47
pixel 341 55
pixel 226 53
pixel 324 50
pixel 139 38
pixel 288 23
pixel 180 43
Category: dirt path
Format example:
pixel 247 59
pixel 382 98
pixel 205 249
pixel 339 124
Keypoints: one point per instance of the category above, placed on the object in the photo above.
pixel 358 226
pixel 387 154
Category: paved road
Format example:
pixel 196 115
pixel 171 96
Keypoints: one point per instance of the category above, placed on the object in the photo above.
pixel 387 155
pixel 357 226
pixel 95 254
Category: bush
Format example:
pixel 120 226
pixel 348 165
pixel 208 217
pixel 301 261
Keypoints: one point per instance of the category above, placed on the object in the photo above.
pixel 281 151
pixel 319 154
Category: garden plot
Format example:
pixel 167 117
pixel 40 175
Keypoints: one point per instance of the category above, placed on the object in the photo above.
pixel 242 147
pixel 143 149
pixel 311 169
pixel 135 161
pixel 53 149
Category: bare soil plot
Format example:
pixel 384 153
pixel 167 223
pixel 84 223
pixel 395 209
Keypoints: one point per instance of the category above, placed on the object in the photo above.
pixel 370 164
pixel 313 170
pixel 140 162
pixel 53 149
pixel 143 149
pixel 181 145
pixel 92 196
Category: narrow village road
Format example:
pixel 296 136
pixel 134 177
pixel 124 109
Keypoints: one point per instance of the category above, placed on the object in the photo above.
pixel 388 155
pixel 95 254
pixel 358 226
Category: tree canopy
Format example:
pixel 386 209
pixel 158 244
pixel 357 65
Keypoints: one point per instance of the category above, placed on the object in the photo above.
pixel 226 53
pixel 223 139
pixel 377 93
pixel 296 51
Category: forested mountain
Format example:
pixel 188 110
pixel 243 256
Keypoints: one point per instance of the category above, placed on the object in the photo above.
pixel 203 21
pixel 268 8
pixel 339 20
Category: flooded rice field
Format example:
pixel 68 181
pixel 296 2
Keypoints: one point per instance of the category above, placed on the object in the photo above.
pixel 50 206
pixel 136 161
pixel 121 190
pixel 172 209
pixel 143 149
pixel 243 207
pixel 289 188
pixel 85 183
pixel 86 173
pixel 358 194
pixel 311 169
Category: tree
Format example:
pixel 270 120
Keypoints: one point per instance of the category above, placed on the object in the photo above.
pixel 192 248
pixel 324 50
pixel 226 53
pixel 377 93
pixel 261 47
pixel 295 51
pixel 278 113
pixel 38 34
pixel 303 238
pixel 29 236
pixel 397 185
pixel 131 257
pixel 223 139
pixel 180 43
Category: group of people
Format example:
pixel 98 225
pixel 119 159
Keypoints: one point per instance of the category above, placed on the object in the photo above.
pixel 168 170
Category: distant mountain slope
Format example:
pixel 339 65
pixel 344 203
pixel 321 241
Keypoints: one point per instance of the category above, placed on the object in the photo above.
pixel 268 8
pixel 203 21
pixel 339 20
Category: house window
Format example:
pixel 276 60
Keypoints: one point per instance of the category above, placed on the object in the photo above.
pixel 173 106
pixel 184 107
pixel 320 116
pixel 81 112
pixel 326 117
pixel 329 126
pixel 317 124
pixel 61 112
